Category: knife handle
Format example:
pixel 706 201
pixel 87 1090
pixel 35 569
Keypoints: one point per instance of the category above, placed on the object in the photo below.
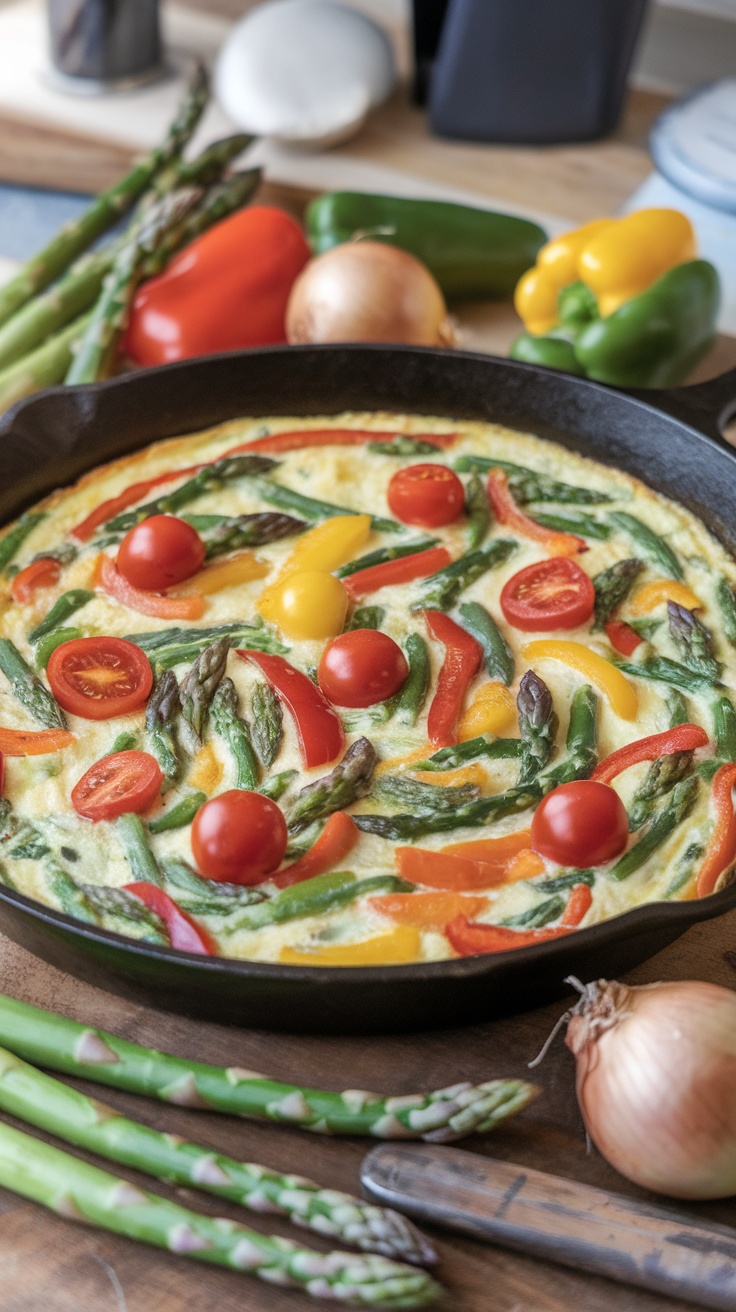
pixel 558 1220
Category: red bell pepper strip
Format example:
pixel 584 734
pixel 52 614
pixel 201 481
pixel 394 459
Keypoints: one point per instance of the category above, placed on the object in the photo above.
pixel 125 499
pixel 470 940
pixel 508 513
pixel 338 837
pixel 185 933
pixel 622 637
pixel 402 570
pixel 683 738
pixel 26 742
pixel 319 727
pixel 39 574
pixel 298 439
pixel 115 585
pixel 721 850
pixel 463 656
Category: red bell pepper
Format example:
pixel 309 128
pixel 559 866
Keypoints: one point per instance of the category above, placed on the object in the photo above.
pixel 471 940
pixel 721 850
pixel 319 727
pixel 622 637
pixel 185 933
pixel 298 439
pixel 39 574
pixel 227 290
pixel 402 570
pixel 463 656
pixel 115 585
pixel 508 513
pixel 338 837
pixel 683 738
pixel 128 497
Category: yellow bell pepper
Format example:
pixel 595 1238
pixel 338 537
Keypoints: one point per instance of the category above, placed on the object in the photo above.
pixel 328 545
pixel 207 771
pixel 620 693
pixel 492 710
pixel 395 948
pixel 307 604
pixel 242 568
pixel 650 595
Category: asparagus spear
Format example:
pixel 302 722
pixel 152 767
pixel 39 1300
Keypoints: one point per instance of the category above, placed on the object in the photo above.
pixel 12 540
pixel 250 531
pixel 401 790
pixel 65 890
pixel 652 545
pixel 66 606
pixel 537 725
pixel 384 554
pixel 406 707
pixel 685 869
pixel 403 445
pixel 348 781
pixel 659 780
pixel 125 742
pixel 54 1041
pixel 28 689
pixel 206 897
pixel 535 917
pixel 276 786
pixel 529 485
pixel 180 815
pixel 478 511
pixel 77 1190
pixel 143 863
pixel 677 709
pixel 499 658
pixel 18 837
pixel 694 641
pixel 277 494
pixel 162 712
pixel 166 648
pixel 612 586
pixel 312 897
pixel 406 828
pixel 47 365
pixel 40 1100
pixel 581 756
pixel 660 669
pixel 444 587
pixel 727 604
pixel 724 728
pixel 106 209
pixel 681 802
pixel 268 724
pixel 494 749
pixel 201 684
pixel 119 910
pixel 563 883
pixel 235 732
pixel 209 479
pixel 365 617
pixel 583 526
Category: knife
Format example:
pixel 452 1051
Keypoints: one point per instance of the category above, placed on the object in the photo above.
pixel 559 1220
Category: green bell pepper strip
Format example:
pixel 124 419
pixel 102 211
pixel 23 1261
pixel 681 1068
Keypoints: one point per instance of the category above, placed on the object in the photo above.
pixel 473 253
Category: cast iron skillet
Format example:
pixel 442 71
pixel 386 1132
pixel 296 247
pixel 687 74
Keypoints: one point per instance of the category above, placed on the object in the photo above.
pixel 671 440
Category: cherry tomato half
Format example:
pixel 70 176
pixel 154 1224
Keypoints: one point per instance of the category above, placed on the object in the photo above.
pixel 553 594
pixel 426 495
pixel 160 552
pixel 361 668
pixel 239 837
pixel 580 824
pixel 99 678
pixel 125 781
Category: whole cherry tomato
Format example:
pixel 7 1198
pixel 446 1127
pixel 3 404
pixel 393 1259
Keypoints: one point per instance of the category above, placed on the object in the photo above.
pixel 580 824
pixel 361 668
pixel 426 495
pixel 552 594
pixel 239 837
pixel 99 678
pixel 125 781
pixel 160 552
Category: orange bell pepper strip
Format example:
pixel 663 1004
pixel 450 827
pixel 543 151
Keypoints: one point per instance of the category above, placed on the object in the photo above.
pixel 463 656
pixel 39 574
pixel 338 837
pixel 721 850
pixel 443 870
pixel 393 572
pixel 471 940
pixel 527 865
pixel 653 594
pixel 185 933
pixel 508 513
pixel 398 947
pixel 125 499
pixel 492 851
pixel 427 910
pixel 683 738
pixel 148 603
pixel 24 742
pixel 298 439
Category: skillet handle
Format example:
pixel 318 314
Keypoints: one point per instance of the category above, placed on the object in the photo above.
pixel 705 406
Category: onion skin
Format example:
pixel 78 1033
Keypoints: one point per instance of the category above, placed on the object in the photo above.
pixel 366 291
pixel 656 1083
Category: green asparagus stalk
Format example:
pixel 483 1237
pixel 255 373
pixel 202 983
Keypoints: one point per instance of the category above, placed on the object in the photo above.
pixel 407 828
pixel 402 790
pixel 407 705
pixel 28 689
pixel 724 728
pixel 384 554
pixel 538 916
pixel 125 742
pixel 403 445
pixel 143 863
pixel 206 897
pixel 726 599
pixel 659 780
pixel 50 1040
pixel 581 755
pixel 268 724
pixel 79 1191
pixel 210 479
pixel 47 365
pixel 694 641
pixel 660 669
pixel 229 725
pixel 178 816
pixel 105 210
pixel 200 686
pixel 13 539
pixel 494 749
pixel 117 909
pixel 563 883
pixel 685 869
pixel 277 785
pixel 162 713
pixel 19 838
pixel 583 526
pixel 66 606
pixel 537 726
pixel 65 890
pixel 365 617
pixel 250 531
pixel 529 485
pixel 40 1100
pixel 651 544
pixel 444 587
pixel 348 781
pixel 681 802
pixel 499 658
pixel 477 510
pixel 312 897
pixel 166 648
pixel 277 494
pixel 612 587
pixel 677 709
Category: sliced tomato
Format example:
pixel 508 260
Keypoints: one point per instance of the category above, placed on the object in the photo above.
pixel 338 837
pixel 428 496
pixel 27 742
pixel 622 637
pixel 190 607
pixel 552 594
pixel 125 781
pixel 39 574
pixel 185 933
pixel 300 438
pixel 160 552
pixel 99 678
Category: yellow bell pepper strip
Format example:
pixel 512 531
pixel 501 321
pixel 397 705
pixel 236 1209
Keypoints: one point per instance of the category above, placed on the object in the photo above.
pixel 395 948
pixel 428 910
pixel 207 771
pixel 620 693
pixel 307 604
pixel 241 568
pixel 653 594
pixel 492 710
pixel 328 545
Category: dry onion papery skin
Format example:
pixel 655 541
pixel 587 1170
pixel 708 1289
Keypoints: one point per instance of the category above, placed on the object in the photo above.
pixel 656 1083
pixel 366 291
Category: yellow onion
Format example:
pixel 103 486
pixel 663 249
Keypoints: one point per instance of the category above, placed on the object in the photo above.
pixel 656 1083
pixel 366 291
